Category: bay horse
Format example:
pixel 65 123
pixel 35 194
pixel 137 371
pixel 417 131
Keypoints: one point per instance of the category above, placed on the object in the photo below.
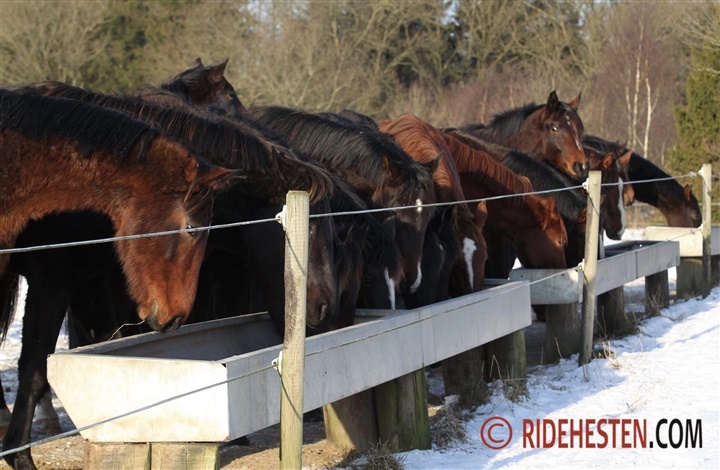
pixel 550 132
pixel 465 254
pixel 64 155
pixel 269 171
pixel 676 202
pixel 381 173
pixel 52 270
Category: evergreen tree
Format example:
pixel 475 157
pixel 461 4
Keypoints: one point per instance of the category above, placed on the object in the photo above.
pixel 698 120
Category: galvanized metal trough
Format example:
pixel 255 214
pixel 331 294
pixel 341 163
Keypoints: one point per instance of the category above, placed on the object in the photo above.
pixel 690 239
pixel 231 360
pixel 624 262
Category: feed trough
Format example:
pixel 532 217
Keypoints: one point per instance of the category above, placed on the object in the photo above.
pixel 231 361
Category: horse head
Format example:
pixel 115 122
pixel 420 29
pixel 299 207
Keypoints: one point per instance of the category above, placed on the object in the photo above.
pixel 407 185
pixel 162 272
pixel 543 245
pixel 560 130
pixel 207 86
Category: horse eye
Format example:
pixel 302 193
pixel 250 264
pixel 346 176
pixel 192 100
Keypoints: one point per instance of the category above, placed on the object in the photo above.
pixel 554 128
pixel 192 234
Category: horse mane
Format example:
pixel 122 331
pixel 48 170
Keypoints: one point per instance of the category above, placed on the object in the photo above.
pixel 423 142
pixel 91 126
pixel 503 125
pixel 380 249
pixel 343 145
pixel 225 142
pixel 543 177
pixel 507 123
pixel 487 172
pixel 410 132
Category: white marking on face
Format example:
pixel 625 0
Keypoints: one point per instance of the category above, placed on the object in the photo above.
pixel 621 206
pixel 418 280
pixel 391 288
pixel 576 136
pixel 469 248
pixel 442 255
pixel 418 202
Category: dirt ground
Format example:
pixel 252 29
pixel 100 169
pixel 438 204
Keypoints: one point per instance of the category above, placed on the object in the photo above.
pixel 262 453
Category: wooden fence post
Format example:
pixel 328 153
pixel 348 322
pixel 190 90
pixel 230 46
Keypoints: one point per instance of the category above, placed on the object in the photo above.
pixel 592 228
pixel 706 174
pixel 657 293
pixel 292 361
pixel 562 332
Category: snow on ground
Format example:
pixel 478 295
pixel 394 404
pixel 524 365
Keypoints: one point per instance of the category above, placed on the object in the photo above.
pixel 669 370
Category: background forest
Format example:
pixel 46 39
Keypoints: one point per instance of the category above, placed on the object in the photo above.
pixel 649 72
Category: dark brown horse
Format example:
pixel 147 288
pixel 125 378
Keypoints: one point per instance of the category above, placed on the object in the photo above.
pixel 424 143
pixel 676 202
pixel 202 86
pixel 381 173
pixel 616 191
pixel 550 132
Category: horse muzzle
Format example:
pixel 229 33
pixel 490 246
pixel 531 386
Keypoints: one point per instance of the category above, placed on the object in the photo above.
pixel 582 171
pixel 152 319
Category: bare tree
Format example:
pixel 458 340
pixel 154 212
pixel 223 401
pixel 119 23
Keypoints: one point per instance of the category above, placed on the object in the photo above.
pixel 42 40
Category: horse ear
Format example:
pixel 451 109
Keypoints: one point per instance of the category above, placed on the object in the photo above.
pixel 553 102
pixel 392 170
pixel 218 178
pixel 625 159
pixel 606 162
pixel 481 213
pixel 198 63
pixel 217 73
pixel 687 192
pixel 551 204
pixel 582 217
pixel 433 164
pixel 575 103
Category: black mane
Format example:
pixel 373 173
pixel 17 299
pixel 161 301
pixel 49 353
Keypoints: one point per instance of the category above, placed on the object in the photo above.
pixel 224 142
pixel 343 145
pixel 91 126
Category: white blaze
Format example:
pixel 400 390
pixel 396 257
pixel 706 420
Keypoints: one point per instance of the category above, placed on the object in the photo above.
pixel 621 205
pixel 418 202
pixel 469 248
pixel 391 288
pixel 418 280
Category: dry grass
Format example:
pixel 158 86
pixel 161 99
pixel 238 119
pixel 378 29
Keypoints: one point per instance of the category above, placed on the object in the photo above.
pixel 447 426
pixel 379 457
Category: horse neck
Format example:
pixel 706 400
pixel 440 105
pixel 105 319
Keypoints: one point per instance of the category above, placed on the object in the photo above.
pixel 56 178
